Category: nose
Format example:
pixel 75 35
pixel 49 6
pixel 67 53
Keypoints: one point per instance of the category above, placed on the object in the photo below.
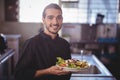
pixel 55 21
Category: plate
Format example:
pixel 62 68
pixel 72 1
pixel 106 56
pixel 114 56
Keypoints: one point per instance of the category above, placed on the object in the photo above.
pixel 73 69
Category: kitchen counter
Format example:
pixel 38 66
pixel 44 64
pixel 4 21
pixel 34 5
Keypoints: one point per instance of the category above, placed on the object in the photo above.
pixel 5 56
pixel 13 42
pixel 92 78
pixel 96 67
pixel 12 36
pixel 6 63
pixel 96 71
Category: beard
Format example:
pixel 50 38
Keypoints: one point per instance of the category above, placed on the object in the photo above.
pixel 55 25
pixel 52 31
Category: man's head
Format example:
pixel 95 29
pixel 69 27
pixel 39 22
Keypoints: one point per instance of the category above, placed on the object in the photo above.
pixel 52 18
pixel 52 5
pixel 99 18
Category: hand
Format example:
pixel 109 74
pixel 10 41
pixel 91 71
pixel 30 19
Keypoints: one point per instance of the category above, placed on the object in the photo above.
pixel 56 70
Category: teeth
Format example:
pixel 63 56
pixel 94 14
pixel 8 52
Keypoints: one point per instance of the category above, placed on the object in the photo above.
pixel 55 26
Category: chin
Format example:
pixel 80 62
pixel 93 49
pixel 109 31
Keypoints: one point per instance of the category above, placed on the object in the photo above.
pixel 54 32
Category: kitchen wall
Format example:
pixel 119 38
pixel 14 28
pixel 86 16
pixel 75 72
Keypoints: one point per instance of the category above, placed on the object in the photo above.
pixel 26 30
pixel 1 11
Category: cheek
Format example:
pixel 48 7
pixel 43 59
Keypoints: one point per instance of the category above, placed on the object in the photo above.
pixel 46 22
pixel 60 22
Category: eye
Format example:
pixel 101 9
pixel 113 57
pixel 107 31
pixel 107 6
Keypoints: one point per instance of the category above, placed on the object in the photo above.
pixel 59 17
pixel 50 17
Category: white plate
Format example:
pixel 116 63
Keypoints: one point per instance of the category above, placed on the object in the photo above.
pixel 73 69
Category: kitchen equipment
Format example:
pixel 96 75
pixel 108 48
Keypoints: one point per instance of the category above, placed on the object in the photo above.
pixel 3 43
pixel 81 55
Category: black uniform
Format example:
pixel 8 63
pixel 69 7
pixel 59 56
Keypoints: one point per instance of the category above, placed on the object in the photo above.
pixel 40 52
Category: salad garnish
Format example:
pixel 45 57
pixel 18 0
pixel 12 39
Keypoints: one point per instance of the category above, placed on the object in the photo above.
pixel 72 63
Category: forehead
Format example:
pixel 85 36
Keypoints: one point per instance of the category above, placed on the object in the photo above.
pixel 52 11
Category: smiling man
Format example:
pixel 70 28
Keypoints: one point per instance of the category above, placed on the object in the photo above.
pixel 52 19
pixel 39 53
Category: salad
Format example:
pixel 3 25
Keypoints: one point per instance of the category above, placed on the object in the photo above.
pixel 72 63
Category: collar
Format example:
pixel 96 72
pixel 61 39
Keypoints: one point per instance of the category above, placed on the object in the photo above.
pixel 44 35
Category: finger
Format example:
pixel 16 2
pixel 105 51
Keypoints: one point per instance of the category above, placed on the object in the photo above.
pixel 60 68
pixel 64 72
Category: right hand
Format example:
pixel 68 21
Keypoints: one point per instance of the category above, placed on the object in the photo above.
pixel 56 70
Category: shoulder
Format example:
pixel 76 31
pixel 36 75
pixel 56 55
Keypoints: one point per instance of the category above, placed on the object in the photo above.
pixel 36 38
pixel 33 40
pixel 64 41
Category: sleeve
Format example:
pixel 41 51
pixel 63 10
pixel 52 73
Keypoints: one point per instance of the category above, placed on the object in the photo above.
pixel 26 66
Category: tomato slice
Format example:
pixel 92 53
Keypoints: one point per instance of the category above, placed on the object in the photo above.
pixel 62 65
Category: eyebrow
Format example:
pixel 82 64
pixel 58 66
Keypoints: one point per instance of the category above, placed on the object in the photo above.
pixel 53 16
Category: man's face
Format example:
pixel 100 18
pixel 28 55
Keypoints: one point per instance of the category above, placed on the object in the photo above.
pixel 53 20
pixel 99 20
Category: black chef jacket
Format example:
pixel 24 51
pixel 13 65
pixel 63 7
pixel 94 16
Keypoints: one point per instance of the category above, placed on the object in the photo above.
pixel 40 52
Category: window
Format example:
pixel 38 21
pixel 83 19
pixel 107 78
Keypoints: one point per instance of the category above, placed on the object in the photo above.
pixel 86 11
pixel 77 11
pixel 76 14
pixel 31 10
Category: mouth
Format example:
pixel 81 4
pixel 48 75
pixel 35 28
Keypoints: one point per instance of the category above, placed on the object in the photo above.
pixel 55 26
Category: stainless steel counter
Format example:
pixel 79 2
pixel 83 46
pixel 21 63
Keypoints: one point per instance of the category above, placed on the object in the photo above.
pixel 92 78
pixel 6 64
pixel 8 53
pixel 96 71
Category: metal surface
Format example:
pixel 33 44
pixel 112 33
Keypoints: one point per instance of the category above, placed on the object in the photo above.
pixel 8 53
pixel 96 67
pixel 92 78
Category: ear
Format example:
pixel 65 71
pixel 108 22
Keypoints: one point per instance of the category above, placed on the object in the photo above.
pixel 43 19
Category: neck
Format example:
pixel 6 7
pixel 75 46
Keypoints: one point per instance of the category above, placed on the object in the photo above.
pixel 50 34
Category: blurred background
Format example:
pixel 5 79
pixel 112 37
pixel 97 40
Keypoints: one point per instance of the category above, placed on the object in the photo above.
pixel 89 25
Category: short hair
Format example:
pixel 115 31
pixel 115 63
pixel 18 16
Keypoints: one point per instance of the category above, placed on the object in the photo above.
pixel 100 15
pixel 52 5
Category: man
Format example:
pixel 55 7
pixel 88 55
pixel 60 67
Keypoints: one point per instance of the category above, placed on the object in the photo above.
pixel 99 19
pixel 38 59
